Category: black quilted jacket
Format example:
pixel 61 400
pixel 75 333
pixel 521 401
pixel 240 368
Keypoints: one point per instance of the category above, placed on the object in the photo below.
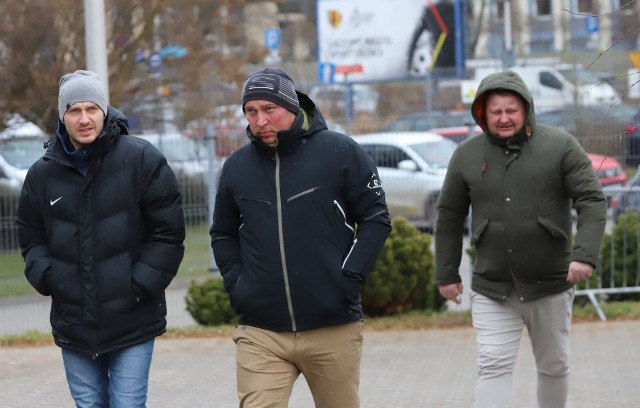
pixel 104 246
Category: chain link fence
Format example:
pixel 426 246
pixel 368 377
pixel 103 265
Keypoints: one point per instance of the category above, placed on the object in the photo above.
pixel 402 106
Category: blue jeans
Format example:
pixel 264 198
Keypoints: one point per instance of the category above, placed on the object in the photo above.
pixel 116 379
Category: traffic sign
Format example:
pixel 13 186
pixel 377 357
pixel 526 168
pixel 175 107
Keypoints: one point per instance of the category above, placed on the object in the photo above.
pixel 326 72
pixel 155 64
pixel 155 61
pixel 272 38
pixel 592 24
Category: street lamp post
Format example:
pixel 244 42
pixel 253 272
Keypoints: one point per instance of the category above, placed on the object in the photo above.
pixel 507 55
pixel 96 40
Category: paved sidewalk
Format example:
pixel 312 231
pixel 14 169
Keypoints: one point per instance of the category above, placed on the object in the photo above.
pixel 21 314
pixel 434 368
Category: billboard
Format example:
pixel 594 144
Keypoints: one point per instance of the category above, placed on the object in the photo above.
pixel 371 40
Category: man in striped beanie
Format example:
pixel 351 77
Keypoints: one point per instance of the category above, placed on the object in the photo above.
pixel 290 256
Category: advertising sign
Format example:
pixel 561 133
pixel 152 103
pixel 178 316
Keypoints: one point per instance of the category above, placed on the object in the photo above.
pixel 381 39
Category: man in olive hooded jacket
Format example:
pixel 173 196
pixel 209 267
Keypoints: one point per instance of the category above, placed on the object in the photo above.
pixel 521 179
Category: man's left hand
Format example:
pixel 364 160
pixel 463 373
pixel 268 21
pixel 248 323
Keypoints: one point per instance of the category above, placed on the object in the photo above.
pixel 579 271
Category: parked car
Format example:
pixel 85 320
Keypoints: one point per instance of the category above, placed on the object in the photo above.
pixel 188 160
pixel 457 133
pixel 16 156
pixel 608 169
pixel 624 197
pixel 454 125
pixel 412 166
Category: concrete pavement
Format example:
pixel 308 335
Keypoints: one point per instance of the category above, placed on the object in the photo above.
pixel 434 368
pixel 21 314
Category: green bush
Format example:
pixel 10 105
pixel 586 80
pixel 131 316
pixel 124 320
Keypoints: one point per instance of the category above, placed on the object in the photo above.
pixel 208 303
pixel 618 263
pixel 403 275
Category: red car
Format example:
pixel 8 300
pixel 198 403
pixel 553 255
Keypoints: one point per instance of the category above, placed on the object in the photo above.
pixel 456 133
pixel 608 170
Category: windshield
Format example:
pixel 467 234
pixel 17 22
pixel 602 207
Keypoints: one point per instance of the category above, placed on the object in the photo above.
pixel 22 153
pixel 437 154
pixel 581 76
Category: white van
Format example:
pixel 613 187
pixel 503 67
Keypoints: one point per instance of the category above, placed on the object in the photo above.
pixel 549 87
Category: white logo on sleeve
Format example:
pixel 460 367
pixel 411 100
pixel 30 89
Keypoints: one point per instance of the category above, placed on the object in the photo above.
pixel 52 202
pixel 374 183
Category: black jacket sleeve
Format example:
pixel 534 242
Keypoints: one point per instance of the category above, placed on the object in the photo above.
pixel 367 206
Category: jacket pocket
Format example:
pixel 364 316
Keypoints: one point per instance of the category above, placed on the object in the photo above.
pixel 234 296
pixel 553 229
pixel 253 200
pixel 352 288
pixel 343 216
pixel 303 193
pixel 477 232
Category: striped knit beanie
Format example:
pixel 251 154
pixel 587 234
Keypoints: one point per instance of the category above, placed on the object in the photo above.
pixel 271 84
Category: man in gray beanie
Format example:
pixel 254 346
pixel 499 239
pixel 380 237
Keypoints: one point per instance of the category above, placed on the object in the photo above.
pixel 101 229
pixel 284 237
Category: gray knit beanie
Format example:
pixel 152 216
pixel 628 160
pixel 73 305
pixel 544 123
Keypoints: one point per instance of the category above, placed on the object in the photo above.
pixel 271 84
pixel 81 86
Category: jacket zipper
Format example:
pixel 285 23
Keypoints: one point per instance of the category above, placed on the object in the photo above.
pixel 344 216
pixel 353 245
pixel 283 258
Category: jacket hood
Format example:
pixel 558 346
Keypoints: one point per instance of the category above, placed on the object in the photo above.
pixel 309 121
pixel 507 81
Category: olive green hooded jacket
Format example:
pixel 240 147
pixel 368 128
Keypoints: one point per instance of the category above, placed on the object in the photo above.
pixel 521 191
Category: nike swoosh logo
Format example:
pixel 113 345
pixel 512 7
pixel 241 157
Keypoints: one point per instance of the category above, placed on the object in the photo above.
pixel 52 202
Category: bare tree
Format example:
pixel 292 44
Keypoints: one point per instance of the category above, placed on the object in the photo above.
pixel 35 45
pixel 42 39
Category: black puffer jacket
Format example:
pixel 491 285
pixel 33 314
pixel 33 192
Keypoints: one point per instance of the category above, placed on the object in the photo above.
pixel 97 243
pixel 283 230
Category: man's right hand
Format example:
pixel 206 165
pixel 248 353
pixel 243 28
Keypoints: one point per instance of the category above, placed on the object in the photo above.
pixel 452 292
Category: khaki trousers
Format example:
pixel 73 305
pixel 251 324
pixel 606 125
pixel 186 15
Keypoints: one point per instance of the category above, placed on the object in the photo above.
pixel 268 364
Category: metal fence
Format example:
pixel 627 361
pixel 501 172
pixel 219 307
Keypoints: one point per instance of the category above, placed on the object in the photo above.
pixel 618 274
pixel 618 269
pixel 21 309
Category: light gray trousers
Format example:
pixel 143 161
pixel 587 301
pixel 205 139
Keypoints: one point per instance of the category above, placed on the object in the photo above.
pixel 499 327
